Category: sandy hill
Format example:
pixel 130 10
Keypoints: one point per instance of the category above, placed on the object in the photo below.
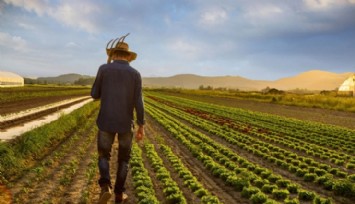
pixel 311 80
pixel 194 81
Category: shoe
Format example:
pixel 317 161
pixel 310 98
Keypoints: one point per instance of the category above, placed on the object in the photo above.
pixel 121 197
pixel 105 194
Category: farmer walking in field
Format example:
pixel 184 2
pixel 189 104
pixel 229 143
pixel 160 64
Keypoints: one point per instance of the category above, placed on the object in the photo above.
pixel 119 87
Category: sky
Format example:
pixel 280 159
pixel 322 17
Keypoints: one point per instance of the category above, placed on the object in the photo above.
pixel 256 39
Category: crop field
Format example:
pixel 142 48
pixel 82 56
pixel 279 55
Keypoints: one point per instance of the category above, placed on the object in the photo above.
pixel 19 105
pixel 21 98
pixel 193 152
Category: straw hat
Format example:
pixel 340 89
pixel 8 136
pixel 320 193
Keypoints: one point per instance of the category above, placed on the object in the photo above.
pixel 119 45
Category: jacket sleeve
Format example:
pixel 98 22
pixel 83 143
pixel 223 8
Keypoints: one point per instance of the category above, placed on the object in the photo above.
pixel 96 87
pixel 139 105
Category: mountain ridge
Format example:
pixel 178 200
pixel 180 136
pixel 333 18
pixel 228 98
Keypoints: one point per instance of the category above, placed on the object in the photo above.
pixel 310 80
pixel 64 78
pixel 315 80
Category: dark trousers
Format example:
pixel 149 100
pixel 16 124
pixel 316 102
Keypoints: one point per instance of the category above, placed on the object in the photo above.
pixel 104 145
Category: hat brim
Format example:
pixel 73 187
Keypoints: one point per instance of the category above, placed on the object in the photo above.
pixel 132 55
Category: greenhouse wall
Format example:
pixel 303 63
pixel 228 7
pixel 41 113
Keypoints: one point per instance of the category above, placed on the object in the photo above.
pixel 9 79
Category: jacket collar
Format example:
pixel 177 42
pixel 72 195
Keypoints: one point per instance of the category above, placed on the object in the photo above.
pixel 121 61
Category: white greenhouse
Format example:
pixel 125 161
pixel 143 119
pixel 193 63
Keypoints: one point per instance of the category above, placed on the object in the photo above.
pixel 348 86
pixel 8 79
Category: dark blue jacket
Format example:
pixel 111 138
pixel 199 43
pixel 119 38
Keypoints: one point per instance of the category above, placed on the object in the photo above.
pixel 119 86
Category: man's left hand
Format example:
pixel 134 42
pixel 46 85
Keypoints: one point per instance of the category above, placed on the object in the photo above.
pixel 140 133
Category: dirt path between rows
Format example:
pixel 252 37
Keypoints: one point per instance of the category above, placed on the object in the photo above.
pixel 95 188
pixel 332 117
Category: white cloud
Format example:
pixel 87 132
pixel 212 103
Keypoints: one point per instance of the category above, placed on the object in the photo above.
pixel 38 6
pixel 213 17
pixel 16 43
pixel 77 14
pixel 184 48
pixel 263 20
pixel 27 26
pixel 326 4
pixel 263 12
pixel 71 45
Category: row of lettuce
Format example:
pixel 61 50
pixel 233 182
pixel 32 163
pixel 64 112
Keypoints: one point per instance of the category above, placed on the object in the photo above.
pixel 338 181
pixel 144 188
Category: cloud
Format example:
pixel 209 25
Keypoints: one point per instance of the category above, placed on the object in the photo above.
pixel 263 12
pixel 2 7
pixel 326 4
pixel 180 36
pixel 213 16
pixel 10 42
pixel 38 6
pixel 72 45
pixel 26 26
pixel 182 47
pixel 264 20
pixel 76 14
pixel 80 15
pixel 329 15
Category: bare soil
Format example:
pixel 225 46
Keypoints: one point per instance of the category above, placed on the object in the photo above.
pixel 95 189
pixel 13 107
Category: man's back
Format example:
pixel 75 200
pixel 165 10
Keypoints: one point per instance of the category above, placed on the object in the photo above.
pixel 118 86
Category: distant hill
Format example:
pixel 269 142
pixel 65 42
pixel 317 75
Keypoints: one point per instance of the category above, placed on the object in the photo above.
pixel 62 79
pixel 315 80
pixel 191 81
pixel 311 80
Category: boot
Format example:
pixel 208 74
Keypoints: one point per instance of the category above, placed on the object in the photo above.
pixel 121 197
pixel 105 194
